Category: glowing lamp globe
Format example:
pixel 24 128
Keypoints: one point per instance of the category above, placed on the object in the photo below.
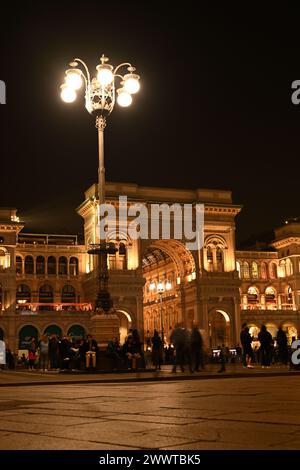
pixel 68 94
pixel 105 75
pixel 124 99
pixel 168 285
pixel 131 83
pixel 160 287
pixel 73 78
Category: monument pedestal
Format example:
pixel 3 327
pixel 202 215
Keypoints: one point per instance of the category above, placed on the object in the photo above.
pixel 105 326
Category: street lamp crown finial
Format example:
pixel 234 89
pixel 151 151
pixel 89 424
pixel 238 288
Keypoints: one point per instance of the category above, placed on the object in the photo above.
pixel 104 59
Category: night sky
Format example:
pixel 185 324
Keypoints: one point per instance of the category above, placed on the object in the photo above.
pixel 214 110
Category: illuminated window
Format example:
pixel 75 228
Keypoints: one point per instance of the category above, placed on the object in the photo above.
pixel 23 293
pixel 270 294
pixel 254 270
pixel 252 295
pixel 238 268
pixel 219 255
pixel 263 270
pixel 246 271
pixel 288 267
pixel 74 266
pixel 273 270
pixel 209 257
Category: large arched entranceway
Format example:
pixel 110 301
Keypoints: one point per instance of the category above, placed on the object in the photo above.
pixel 25 335
pixel 125 324
pixel 219 328
pixel 77 332
pixel 169 271
pixel 53 330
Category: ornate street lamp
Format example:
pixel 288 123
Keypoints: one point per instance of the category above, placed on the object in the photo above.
pixel 160 289
pixel 100 97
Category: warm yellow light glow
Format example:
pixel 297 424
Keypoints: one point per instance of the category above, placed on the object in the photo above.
pixel 152 285
pixel 124 99
pixel 73 78
pixel 104 75
pixel 160 286
pixel 131 83
pixel 168 285
pixel 68 95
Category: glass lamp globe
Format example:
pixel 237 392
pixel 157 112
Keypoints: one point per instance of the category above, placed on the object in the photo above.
pixel 124 99
pixel 73 78
pixel 160 287
pixel 68 94
pixel 105 75
pixel 131 83
pixel 168 285
pixel 152 285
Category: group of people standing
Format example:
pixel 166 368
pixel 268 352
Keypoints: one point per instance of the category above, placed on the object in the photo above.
pixel 266 349
pixel 52 353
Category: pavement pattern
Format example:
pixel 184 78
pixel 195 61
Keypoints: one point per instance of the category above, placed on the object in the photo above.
pixel 230 414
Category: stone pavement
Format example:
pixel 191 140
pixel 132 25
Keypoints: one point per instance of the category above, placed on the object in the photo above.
pixel 24 377
pixel 234 413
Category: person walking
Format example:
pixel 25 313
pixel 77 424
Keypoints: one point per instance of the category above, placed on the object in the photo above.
pixel 44 353
pixel 197 349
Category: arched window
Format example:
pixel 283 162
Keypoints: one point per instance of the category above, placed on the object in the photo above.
pixel 219 255
pixel 29 266
pixel 68 294
pixel 273 270
pixel 270 295
pixel 118 260
pixel 290 294
pixel 26 334
pixel 209 257
pixel 62 266
pixel 23 293
pixel 246 271
pixel 40 265
pixel 77 332
pixel 2 259
pixel 238 268
pixel 282 269
pixel 73 266
pixel 46 294
pixel 288 267
pixel 51 265
pixel 19 267
pixel 252 294
pixel 254 270
pixel 263 270
pixel 53 330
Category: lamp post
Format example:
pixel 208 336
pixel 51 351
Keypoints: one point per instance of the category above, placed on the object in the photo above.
pixel 160 289
pixel 100 97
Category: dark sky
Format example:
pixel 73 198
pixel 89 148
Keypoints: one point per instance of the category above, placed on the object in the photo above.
pixel 214 110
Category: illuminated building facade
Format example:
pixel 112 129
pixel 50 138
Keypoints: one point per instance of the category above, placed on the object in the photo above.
pixel 48 283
